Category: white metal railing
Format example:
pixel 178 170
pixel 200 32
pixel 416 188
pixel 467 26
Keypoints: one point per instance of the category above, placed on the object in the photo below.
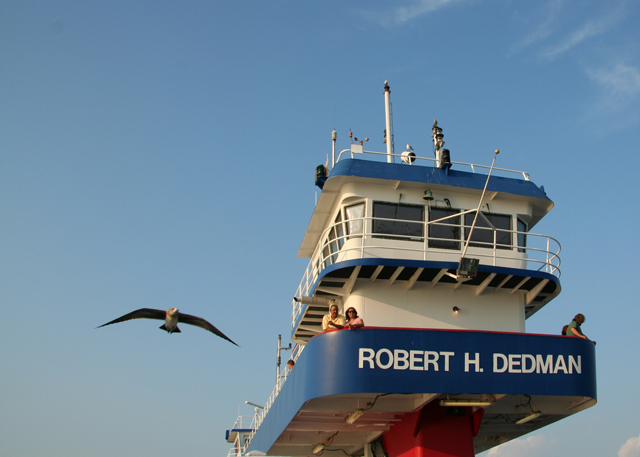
pixel 236 452
pixel 282 378
pixel 540 252
pixel 242 423
pixel 425 160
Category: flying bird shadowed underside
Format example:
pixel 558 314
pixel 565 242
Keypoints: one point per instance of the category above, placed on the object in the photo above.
pixel 171 317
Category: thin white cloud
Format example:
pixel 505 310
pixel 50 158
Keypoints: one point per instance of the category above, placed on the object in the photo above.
pixel 421 7
pixel 620 80
pixel 617 98
pixel 631 448
pixel 533 446
pixel 407 13
pixel 588 30
pixel 552 12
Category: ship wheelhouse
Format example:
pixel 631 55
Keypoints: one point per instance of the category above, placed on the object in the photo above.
pixel 372 226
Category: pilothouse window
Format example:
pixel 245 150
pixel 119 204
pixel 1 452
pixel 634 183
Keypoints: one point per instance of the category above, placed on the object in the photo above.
pixel 337 233
pixel 522 236
pixel 354 215
pixel 483 233
pixel 441 232
pixel 395 219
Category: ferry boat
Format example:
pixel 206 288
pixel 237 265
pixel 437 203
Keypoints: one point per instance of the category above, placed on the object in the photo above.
pixel 440 260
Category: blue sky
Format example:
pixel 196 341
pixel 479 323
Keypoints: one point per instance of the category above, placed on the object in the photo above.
pixel 159 154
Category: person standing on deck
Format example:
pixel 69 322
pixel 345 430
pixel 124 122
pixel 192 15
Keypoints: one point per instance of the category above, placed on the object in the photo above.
pixel 333 320
pixel 574 328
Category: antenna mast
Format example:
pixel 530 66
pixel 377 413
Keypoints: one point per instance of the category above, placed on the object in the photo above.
pixel 280 349
pixel 387 113
pixel 466 245
pixel 334 136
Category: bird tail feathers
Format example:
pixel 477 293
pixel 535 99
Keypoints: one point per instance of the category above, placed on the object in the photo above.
pixel 175 330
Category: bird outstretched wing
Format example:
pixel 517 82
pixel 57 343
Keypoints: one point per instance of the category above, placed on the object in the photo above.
pixel 142 313
pixel 200 322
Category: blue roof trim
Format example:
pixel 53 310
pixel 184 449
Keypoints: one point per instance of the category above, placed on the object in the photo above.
pixel 432 175
pixel 432 264
pixel 419 264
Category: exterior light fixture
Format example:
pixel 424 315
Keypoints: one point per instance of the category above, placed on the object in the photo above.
pixel 354 416
pixel 465 403
pixel 254 405
pixel 427 195
pixel 531 416
pixel 468 267
pixel 408 156
pixel 256 408
pixel 446 158
pixel 456 310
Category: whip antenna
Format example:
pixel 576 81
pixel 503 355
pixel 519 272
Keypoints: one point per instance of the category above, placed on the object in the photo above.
pixel 468 267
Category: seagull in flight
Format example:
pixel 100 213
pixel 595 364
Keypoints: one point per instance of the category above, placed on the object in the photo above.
pixel 171 318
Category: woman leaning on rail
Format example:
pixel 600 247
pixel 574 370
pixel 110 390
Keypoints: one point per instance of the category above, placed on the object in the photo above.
pixel 575 329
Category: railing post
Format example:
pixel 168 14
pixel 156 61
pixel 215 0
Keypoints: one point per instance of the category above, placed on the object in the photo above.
pixel 426 240
pixel 365 226
pixel 495 246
